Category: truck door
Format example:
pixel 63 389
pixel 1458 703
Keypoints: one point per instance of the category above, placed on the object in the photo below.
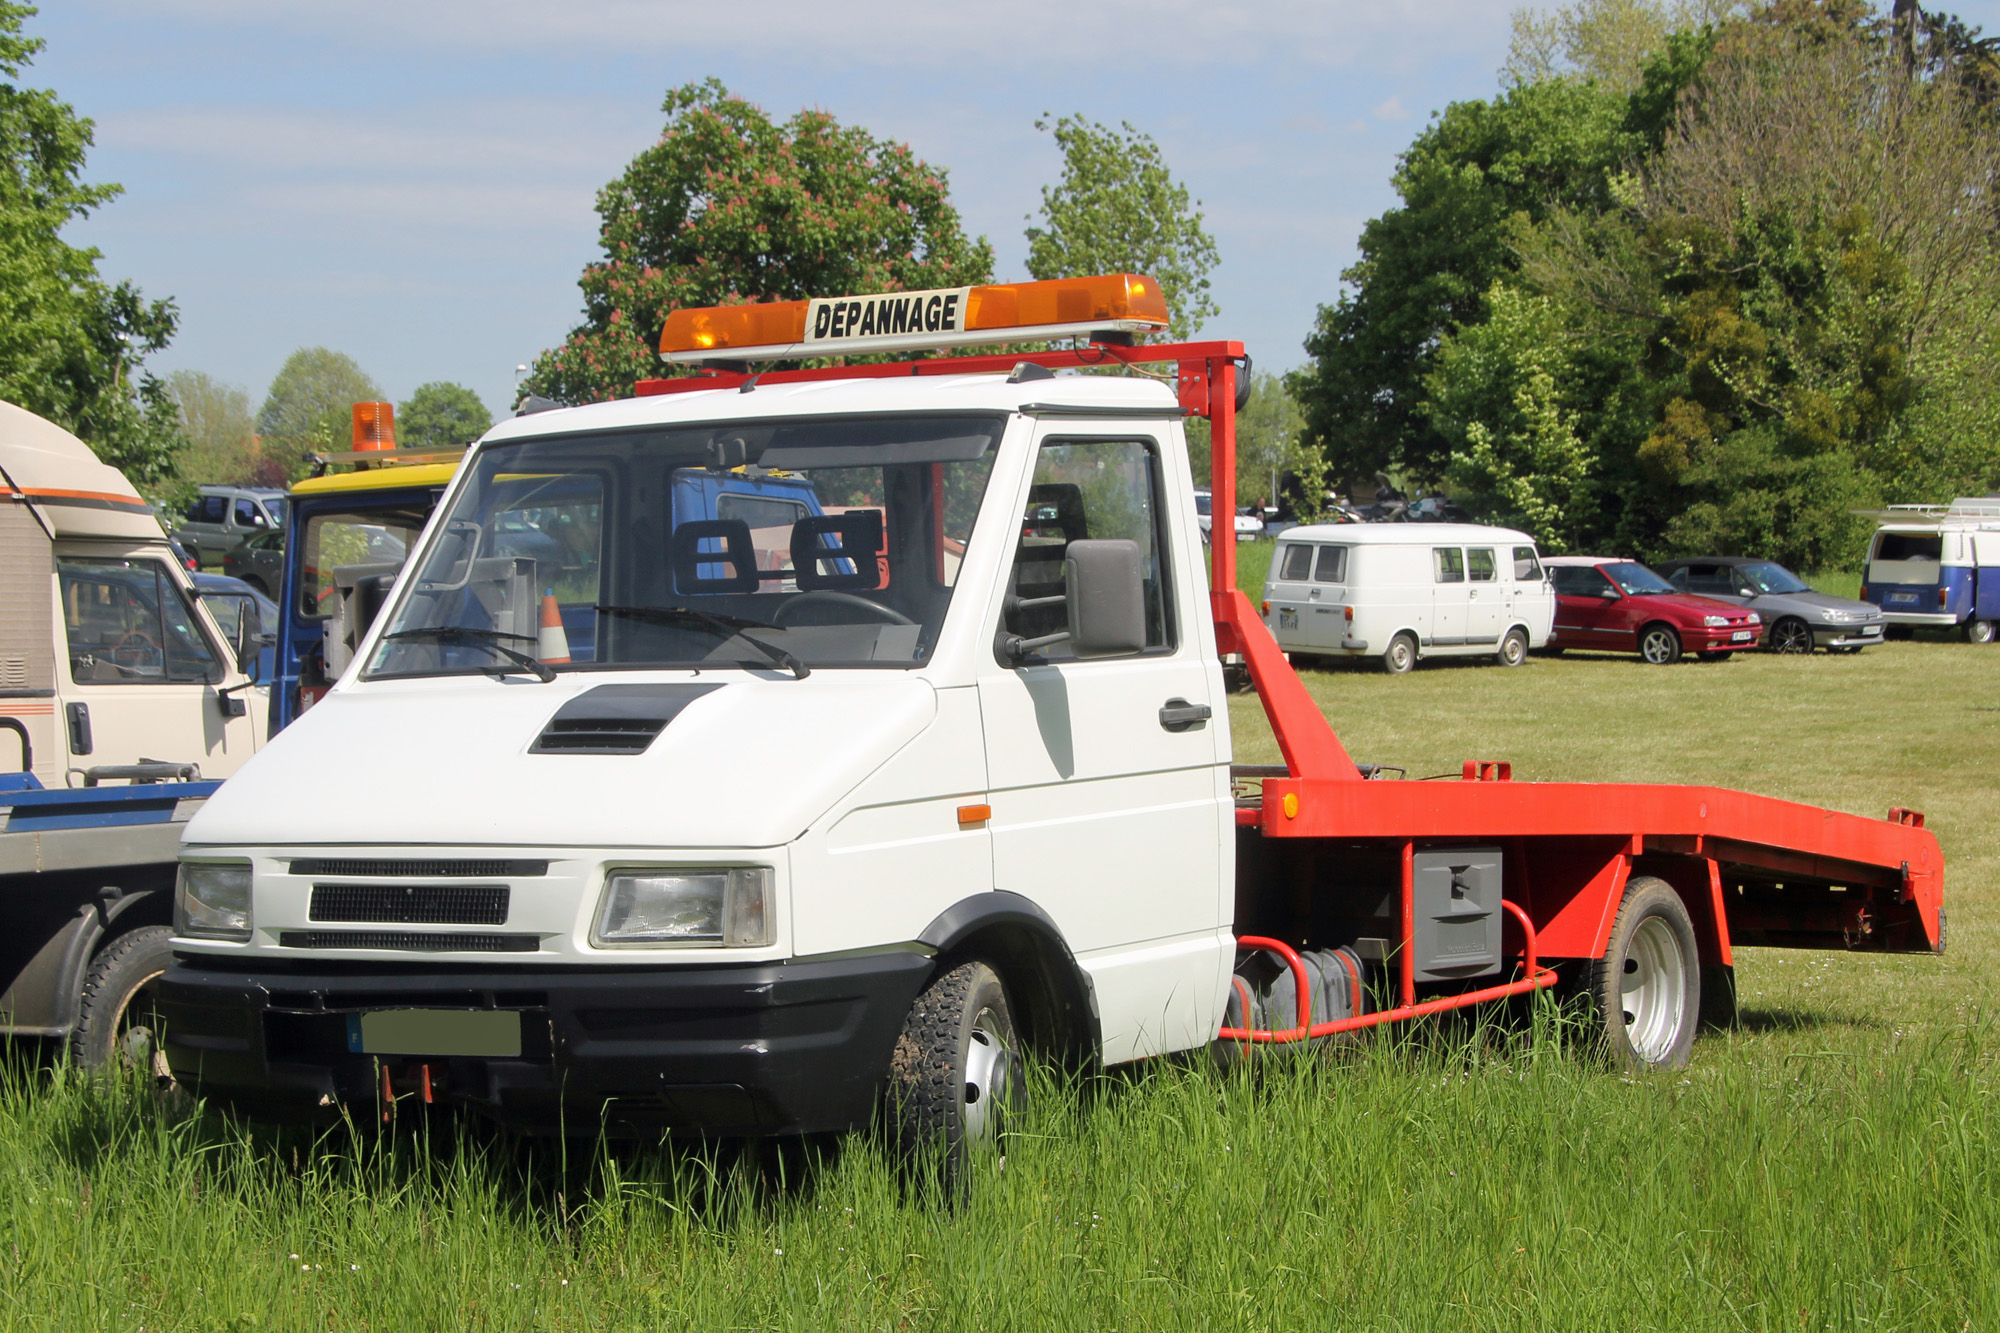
pixel 1485 605
pixel 1529 600
pixel 142 669
pixel 1109 796
pixel 1448 599
pixel 1288 590
pixel 1326 602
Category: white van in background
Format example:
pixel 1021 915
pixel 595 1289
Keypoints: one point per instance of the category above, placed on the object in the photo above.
pixel 1398 592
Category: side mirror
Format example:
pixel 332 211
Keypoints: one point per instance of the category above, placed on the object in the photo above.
pixel 1104 601
pixel 1608 594
pixel 1107 597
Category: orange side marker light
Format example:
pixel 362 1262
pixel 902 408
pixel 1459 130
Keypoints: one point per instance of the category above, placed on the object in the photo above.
pixel 974 814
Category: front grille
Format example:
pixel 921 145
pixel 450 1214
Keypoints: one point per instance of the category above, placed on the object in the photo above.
pixel 412 904
pixel 597 735
pixel 447 942
pixel 411 869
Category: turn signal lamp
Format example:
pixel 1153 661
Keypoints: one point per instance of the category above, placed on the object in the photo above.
pixel 911 321
pixel 374 427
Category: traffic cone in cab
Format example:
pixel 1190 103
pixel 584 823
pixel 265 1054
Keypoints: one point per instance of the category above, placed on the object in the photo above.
pixel 554 647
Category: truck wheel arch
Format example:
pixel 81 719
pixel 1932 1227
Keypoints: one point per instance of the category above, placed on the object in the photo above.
pixel 1054 1004
pixel 72 950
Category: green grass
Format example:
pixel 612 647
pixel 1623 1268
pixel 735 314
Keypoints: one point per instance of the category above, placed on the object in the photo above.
pixel 1831 1164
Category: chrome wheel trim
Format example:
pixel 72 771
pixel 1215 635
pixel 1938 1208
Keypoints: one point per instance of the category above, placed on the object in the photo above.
pixel 1402 655
pixel 1657 646
pixel 1513 649
pixel 992 1071
pixel 1792 636
pixel 1653 990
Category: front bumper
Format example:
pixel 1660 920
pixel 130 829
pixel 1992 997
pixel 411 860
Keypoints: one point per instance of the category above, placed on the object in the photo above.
pixel 1847 636
pixel 1706 640
pixel 753 1048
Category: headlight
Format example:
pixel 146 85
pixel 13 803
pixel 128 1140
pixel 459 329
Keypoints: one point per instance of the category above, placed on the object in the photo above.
pixel 685 907
pixel 212 900
pixel 1756 619
pixel 1715 622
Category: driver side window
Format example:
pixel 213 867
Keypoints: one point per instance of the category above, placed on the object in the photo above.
pixel 1087 489
pixel 127 624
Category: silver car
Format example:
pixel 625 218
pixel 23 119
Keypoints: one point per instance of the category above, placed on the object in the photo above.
pixel 1800 619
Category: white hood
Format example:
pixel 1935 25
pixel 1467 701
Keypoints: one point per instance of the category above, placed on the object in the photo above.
pixel 446 762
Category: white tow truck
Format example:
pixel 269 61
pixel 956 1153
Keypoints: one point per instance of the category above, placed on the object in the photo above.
pixel 840 806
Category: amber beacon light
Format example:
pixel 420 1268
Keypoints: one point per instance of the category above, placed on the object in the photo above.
pixel 374 427
pixel 903 321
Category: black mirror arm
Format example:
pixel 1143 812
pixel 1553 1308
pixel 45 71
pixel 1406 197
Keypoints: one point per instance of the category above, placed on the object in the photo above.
pixel 1012 646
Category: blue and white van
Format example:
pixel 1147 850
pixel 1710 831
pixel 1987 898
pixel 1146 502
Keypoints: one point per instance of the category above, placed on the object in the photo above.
pixel 1938 566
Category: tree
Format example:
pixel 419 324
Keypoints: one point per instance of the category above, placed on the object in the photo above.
pixel 439 415
pixel 310 406
pixel 222 435
pixel 1274 460
pixel 72 346
pixel 1118 209
pixel 730 207
pixel 1608 41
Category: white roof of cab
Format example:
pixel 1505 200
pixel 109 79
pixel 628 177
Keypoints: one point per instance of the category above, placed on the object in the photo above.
pixel 1404 534
pixel 75 495
pixel 915 393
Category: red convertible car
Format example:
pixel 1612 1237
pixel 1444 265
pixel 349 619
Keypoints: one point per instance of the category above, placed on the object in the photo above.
pixel 1620 606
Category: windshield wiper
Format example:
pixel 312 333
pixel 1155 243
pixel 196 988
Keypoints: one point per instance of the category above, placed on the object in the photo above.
pixel 729 627
pixel 485 638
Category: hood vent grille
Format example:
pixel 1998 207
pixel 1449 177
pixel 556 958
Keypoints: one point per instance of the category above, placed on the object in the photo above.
pixel 615 719
pixel 426 942
pixel 411 904
pixel 345 867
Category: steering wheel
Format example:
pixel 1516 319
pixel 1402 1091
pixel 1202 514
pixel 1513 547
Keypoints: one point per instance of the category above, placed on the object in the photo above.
pixel 139 638
pixel 887 615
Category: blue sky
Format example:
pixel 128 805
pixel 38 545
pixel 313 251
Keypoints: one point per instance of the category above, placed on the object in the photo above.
pixel 411 181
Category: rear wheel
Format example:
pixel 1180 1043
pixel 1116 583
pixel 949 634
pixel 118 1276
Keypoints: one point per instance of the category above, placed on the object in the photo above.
pixel 117 1026
pixel 1791 635
pixel 1659 645
pixel 1979 631
pixel 1513 648
pixel 956 1078
pixel 1646 990
pixel 1400 656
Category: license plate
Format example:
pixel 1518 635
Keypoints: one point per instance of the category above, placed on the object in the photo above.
pixel 1743 636
pixel 486 1032
pixel 1288 617
pixel 1902 597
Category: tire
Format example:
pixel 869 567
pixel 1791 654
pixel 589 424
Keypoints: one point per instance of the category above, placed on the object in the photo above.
pixel 116 1026
pixel 1646 991
pixel 956 1079
pixel 1790 635
pixel 1979 631
pixel 1659 644
pixel 1400 656
pixel 1513 648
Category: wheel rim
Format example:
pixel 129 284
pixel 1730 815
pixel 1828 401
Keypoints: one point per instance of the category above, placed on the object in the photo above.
pixel 1513 650
pixel 992 1074
pixel 1657 647
pixel 1793 637
pixel 1982 631
pixel 1653 990
pixel 1399 656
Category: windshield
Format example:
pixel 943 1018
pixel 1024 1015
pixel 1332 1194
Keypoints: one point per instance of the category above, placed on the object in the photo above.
pixel 1767 577
pixel 1636 579
pixel 770 546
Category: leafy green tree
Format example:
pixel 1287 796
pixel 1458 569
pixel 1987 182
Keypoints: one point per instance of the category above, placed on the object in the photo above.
pixel 1607 41
pixel 222 435
pixel 731 207
pixel 1426 267
pixel 439 415
pixel 1118 209
pixel 310 405
pixel 1274 460
pixel 72 346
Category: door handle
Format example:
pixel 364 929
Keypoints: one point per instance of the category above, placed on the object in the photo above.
pixel 1179 714
pixel 79 728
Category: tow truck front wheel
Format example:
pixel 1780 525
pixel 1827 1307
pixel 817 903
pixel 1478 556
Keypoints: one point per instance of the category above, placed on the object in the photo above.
pixel 955 1080
pixel 1646 990
pixel 116 1026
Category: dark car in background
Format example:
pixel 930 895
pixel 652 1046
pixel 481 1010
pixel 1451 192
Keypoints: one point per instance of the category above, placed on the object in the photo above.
pixel 229 601
pixel 1620 606
pixel 259 562
pixel 1800 619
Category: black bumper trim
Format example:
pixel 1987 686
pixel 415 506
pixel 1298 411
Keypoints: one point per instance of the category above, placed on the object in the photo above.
pixel 756 1048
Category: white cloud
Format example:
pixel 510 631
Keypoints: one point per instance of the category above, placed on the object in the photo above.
pixel 1390 110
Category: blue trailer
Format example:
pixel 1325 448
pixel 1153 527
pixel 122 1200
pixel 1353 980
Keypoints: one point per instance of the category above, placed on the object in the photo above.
pixel 1938 567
